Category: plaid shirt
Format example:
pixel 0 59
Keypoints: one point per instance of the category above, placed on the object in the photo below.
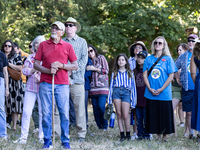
pixel 80 47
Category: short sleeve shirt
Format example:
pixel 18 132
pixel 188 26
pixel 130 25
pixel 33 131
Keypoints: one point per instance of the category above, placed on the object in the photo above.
pixel 49 52
pixel 158 76
pixel 3 63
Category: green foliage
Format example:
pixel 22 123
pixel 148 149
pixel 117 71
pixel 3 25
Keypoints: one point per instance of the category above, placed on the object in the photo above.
pixel 110 25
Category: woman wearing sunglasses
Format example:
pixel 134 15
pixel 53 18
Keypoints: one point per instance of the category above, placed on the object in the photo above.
pixel 99 86
pixel 159 110
pixel 14 102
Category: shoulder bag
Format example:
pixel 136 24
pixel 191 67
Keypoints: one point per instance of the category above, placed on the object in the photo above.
pixel 16 75
pixel 155 63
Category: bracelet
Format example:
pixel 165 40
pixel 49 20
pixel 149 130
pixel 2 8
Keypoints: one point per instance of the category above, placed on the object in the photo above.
pixel 7 88
pixel 63 66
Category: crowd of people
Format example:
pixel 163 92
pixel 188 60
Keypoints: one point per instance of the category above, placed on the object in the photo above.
pixel 149 86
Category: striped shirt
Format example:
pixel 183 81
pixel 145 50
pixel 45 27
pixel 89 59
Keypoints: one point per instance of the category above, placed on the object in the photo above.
pixel 80 47
pixel 122 80
pixel 31 84
pixel 132 63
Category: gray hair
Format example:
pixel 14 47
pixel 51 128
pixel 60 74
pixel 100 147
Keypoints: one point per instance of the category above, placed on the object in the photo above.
pixel 38 38
pixel 165 50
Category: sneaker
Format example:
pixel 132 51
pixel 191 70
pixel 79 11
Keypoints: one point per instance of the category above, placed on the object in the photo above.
pixel 192 136
pixel 104 130
pixel 128 138
pixel 80 139
pixel 40 140
pixel 65 145
pixel 36 131
pixel 134 137
pixel 182 124
pixel 150 136
pixel 186 135
pixel 122 139
pixel 20 141
pixel 47 144
pixel 8 126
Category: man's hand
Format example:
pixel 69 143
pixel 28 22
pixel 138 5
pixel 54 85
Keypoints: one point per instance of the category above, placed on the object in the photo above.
pixel 53 70
pixel 57 65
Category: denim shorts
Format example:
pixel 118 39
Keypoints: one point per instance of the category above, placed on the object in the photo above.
pixel 122 93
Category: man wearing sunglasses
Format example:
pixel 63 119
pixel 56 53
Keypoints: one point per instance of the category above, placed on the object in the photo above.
pixel 77 89
pixel 183 63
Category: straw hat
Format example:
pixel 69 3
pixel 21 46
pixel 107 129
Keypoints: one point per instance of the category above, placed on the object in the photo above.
pixel 72 20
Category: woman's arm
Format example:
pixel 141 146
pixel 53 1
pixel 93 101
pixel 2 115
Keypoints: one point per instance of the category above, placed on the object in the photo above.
pixel 27 71
pixel 146 81
pixel 92 68
pixel 167 82
pixel 5 72
pixel 177 76
pixel 193 68
pixel 15 67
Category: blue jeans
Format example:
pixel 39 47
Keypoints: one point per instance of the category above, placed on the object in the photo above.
pixel 3 131
pixel 98 103
pixel 141 122
pixel 61 93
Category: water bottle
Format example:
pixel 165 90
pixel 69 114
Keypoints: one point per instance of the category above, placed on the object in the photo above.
pixel 112 120
pixel 132 118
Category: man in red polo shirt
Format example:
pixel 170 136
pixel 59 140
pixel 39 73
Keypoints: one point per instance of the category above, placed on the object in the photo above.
pixel 55 54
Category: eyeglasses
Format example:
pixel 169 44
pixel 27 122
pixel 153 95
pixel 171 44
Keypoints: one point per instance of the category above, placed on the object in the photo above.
pixel 56 28
pixel 30 46
pixel 90 51
pixel 69 25
pixel 190 41
pixel 7 45
pixel 155 43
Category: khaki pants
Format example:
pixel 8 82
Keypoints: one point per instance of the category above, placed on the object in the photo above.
pixel 78 97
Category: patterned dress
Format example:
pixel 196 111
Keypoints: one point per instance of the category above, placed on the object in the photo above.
pixel 14 103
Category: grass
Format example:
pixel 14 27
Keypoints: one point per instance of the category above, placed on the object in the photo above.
pixel 100 140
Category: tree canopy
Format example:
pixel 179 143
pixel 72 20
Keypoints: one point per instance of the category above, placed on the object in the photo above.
pixel 110 25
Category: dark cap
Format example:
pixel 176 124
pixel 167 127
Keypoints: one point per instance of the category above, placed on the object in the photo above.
pixel 143 53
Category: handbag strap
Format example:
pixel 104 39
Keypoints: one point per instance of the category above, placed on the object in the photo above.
pixel 155 63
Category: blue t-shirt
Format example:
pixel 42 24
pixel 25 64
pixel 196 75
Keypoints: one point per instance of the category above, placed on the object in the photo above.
pixel 158 76
pixel 190 81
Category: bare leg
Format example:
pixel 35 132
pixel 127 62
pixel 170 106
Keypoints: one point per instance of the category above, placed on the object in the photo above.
pixel 175 102
pixel 188 120
pixel 164 137
pixel 135 123
pixel 159 137
pixel 14 117
pixel 125 115
pixel 180 112
pixel 118 107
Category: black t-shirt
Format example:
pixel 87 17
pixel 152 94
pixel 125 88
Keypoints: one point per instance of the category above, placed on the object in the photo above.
pixel 3 63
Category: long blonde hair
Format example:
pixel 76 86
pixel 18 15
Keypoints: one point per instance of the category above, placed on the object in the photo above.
pixel 165 50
